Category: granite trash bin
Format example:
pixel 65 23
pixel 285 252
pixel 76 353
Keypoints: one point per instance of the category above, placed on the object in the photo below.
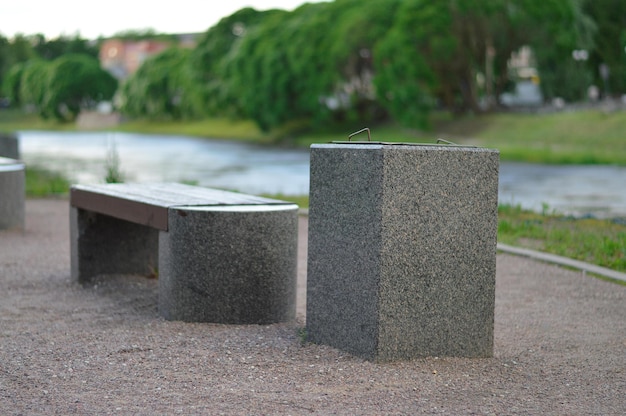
pixel 402 249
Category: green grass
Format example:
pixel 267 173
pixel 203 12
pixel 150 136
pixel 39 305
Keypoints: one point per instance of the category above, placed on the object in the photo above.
pixel 42 183
pixel 12 120
pixel 582 137
pixel 218 128
pixel 600 242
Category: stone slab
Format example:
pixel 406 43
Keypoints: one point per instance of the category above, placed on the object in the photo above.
pixel 231 265
pixel 148 203
pixel 12 193
pixel 402 250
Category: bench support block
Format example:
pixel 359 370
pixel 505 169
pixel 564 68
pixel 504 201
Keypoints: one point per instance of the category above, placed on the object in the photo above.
pixel 105 245
pixel 12 194
pixel 229 267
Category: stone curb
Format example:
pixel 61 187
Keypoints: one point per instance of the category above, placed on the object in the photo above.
pixel 563 261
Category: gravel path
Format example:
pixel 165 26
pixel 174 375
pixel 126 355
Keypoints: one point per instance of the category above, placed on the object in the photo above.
pixel 560 348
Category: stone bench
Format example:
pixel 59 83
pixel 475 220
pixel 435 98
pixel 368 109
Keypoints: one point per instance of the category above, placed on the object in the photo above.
pixel 12 189
pixel 220 256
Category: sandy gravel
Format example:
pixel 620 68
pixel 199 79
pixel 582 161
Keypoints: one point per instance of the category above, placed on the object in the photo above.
pixel 560 348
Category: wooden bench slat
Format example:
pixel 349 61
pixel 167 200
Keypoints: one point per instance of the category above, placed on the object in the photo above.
pixel 148 203
pixel 126 209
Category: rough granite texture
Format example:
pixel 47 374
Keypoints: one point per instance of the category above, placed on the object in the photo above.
pixel 230 267
pixel 101 244
pixel 402 250
pixel 12 190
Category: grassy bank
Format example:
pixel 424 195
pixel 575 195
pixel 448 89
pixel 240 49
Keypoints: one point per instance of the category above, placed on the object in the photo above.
pixel 600 242
pixel 581 137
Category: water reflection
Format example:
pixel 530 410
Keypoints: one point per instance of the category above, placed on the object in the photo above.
pixel 144 158
pixel 578 190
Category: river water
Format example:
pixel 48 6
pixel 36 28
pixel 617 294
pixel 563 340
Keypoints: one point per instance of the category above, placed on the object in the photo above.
pixel 599 191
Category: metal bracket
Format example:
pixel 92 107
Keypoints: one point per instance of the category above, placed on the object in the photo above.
pixel 369 136
pixel 369 141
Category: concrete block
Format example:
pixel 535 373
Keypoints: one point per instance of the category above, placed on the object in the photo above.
pixel 101 244
pixel 229 264
pixel 402 250
pixel 12 193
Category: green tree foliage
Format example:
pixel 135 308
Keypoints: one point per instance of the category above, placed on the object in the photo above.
pixel 32 86
pixel 12 53
pixel 21 49
pixel 559 28
pixel 74 82
pixel 5 63
pixel 12 83
pixel 161 88
pixel 209 57
pixel 610 43
pixel 352 60
pixel 356 28
pixel 410 61
pixel 314 63
pixel 50 49
pixel 261 80
pixel 456 52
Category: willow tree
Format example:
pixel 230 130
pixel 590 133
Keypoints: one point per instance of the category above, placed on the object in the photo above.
pixel 610 44
pixel 161 88
pixel 314 63
pixel 455 53
pixel 259 75
pixel 210 56
pixel 75 82
pixel 32 86
pixel 411 62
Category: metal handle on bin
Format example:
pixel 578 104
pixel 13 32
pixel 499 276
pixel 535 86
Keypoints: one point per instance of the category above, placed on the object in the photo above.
pixel 369 137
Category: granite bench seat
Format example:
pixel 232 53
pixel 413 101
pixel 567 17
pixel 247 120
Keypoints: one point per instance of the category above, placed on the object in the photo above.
pixel 12 190
pixel 220 256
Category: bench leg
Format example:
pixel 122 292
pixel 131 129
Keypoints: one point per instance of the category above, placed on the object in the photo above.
pixel 105 245
pixel 229 267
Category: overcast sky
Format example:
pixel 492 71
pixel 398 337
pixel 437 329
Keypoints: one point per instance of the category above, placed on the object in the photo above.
pixel 92 19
